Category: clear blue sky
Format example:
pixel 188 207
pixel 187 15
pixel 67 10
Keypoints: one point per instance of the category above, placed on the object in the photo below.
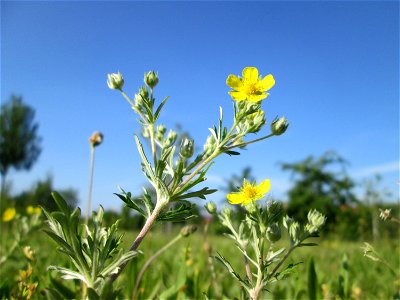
pixel 336 66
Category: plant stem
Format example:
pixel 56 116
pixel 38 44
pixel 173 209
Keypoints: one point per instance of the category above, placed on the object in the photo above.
pixel 153 145
pixel 248 270
pixel 89 199
pixel 149 261
pixel 147 226
pixel 281 262
pixel 250 142
pixel 198 169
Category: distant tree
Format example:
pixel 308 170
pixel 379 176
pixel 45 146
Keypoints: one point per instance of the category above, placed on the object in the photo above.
pixel 19 142
pixel 320 183
pixel 40 194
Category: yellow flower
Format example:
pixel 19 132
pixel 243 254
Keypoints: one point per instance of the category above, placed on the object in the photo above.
pixel 33 210
pixel 251 87
pixel 9 214
pixel 249 192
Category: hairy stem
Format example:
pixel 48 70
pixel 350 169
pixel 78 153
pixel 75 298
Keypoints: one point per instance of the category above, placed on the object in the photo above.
pixel 146 228
pixel 89 198
pixel 248 270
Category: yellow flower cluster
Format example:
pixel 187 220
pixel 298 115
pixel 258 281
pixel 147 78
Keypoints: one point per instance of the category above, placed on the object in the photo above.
pixel 249 193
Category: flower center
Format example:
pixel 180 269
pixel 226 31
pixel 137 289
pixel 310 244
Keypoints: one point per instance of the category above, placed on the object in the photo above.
pixel 250 192
pixel 250 89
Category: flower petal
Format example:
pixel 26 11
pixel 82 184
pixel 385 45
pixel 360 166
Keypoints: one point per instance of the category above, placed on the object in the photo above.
pixel 267 82
pixel 256 98
pixel 250 74
pixel 264 186
pixel 234 82
pixel 235 198
pixel 238 96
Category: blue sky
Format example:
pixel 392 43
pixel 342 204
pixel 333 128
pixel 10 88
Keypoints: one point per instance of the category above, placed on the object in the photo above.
pixel 336 66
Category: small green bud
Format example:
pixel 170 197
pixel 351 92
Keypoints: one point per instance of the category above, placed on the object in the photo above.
pixel 145 132
pixel 246 108
pixel 96 139
pixel 187 148
pixel 171 138
pixel 209 146
pixel 315 221
pixel 188 230
pixel 115 81
pixel 279 126
pixel 274 233
pixel 151 79
pixel 211 207
pixel 226 212
pixel 287 221
pixel 161 129
pixel 294 231
pixel 144 93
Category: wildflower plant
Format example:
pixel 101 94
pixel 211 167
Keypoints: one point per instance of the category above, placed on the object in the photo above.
pixel 175 177
pixel 173 171
pixel 94 250
pixel 257 234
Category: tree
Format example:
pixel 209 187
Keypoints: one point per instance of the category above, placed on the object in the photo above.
pixel 40 194
pixel 19 142
pixel 320 183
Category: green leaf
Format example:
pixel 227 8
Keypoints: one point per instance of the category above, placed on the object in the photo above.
pixel 68 274
pixel 181 213
pixel 61 203
pixel 158 110
pixel 229 267
pixel 312 280
pixel 145 162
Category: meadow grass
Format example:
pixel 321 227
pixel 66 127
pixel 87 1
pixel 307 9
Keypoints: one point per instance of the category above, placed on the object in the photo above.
pixel 185 271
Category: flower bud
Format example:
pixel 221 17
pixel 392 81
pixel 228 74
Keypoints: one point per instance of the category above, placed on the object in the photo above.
pixel 294 231
pixel 188 230
pixel 144 93
pixel 145 132
pixel 254 122
pixel 226 212
pixel 151 79
pixel 211 207
pixel 315 221
pixel 274 233
pixel 115 81
pixel 279 126
pixel 96 138
pixel 246 108
pixel 209 146
pixel 385 214
pixel 287 221
pixel 160 131
pixel 187 148
pixel 171 138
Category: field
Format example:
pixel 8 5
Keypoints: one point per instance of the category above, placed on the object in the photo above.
pixel 186 271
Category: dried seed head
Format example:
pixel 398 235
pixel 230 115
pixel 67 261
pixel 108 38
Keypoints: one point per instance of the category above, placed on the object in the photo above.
pixel 96 138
